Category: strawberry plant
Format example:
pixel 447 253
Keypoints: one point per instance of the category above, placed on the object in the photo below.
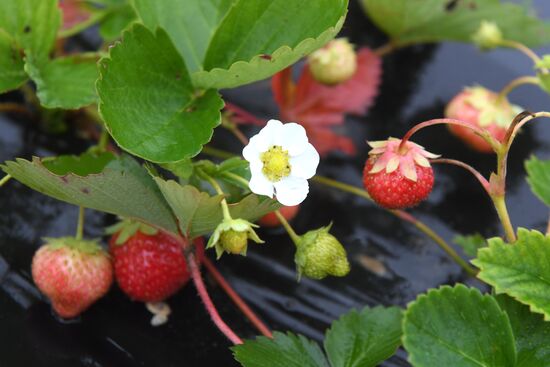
pixel 150 102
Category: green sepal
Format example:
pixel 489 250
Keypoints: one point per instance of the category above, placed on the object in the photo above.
pixel 91 247
pixel 127 228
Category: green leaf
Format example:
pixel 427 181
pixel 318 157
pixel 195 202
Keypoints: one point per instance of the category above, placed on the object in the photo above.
pixel 199 213
pixel 32 24
pixel 226 46
pixel 114 185
pixel 66 83
pixel 538 176
pixel 544 82
pixel 532 334
pixel 118 16
pixel 417 21
pixel 458 327
pixel 521 270
pixel 470 243
pixel 147 100
pixel 190 24
pixel 12 73
pixel 364 339
pixel 288 350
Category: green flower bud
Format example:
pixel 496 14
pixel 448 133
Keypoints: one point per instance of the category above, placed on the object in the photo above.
pixel 232 236
pixel 335 63
pixel 320 254
pixel 488 36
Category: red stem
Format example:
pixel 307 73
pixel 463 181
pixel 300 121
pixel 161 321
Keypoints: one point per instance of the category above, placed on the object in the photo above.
pixel 239 302
pixel 469 168
pixel 208 304
pixel 243 114
pixel 479 131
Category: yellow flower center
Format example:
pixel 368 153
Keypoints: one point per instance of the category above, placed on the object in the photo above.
pixel 276 163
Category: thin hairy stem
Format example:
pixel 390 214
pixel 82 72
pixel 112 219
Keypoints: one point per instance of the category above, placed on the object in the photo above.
pixel 219 191
pixel 482 180
pixel 239 302
pixel 502 211
pixel 385 49
pixel 293 236
pixel 484 134
pixel 522 80
pixel 5 179
pixel 207 301
pixel 80 225
pixel 525 50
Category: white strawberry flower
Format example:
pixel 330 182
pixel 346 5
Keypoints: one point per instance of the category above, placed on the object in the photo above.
pixel 281 161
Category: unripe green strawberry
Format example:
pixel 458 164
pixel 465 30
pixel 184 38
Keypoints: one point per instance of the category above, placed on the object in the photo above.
pixel 333 64
pixel 72 273
pixel 232 236
pixel 234 242
pixel 320 254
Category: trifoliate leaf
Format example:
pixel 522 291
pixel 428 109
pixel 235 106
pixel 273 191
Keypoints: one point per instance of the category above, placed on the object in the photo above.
pixel 365 338
pixel 470 243
pixel 66 83
pixel 458 327
pixel 521 269
pixel 531 333
pixel 12 73
pixel 538 176
pixel 147 100
pixel 227 43
pixel 415 21
pixel 114 185
pixel 199 213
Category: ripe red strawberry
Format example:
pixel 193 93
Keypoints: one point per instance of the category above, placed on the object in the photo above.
pixel 72 273
pixel 149 264
pixel 398 179
pixel 271 220
pixel 480 107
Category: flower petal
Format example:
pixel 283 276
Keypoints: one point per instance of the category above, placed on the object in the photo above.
pixel 294 138
pixel 291 190
pixel 260 185
pixel 272 133
pixel 305 164
pixel 255 147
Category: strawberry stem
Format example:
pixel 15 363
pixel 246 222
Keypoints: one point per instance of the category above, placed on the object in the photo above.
pixel 484 134
pixel 293 236
pixel 80 225
pixel 239 302
pixel 243 114
pixel 502 211
pixel 218 189
pixel 207 301
pixel 525 50
pixel 467 167
pixel 522 80
pixel 5 179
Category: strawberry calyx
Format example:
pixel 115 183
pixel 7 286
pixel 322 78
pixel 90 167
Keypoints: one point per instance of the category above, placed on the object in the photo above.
pixel 491 107
pixel 127 228
pixel 90 247
pixel 390 155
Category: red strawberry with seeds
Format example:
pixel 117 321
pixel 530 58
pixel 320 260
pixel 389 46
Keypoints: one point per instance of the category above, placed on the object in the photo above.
pixel 149 264
pixel 482 108
pixel 398 177
pixel 72 273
